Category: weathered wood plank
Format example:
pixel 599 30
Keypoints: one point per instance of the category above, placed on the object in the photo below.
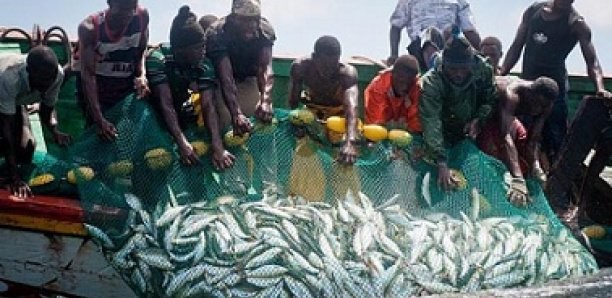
pixel 42 224
pixel 66 264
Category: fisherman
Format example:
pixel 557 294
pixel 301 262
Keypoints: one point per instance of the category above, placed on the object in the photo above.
pixel 27 79
pixel 548 32
pixel 504 136
pixel 330 89
pixel 175 68
pixel 392 98
pixel 240 47
pixel 110 58
pixel 590 129
pixel 491 47
pixel 457 97
pixel 418 15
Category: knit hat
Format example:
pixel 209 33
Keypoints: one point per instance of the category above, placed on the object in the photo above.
pixel 458 51
pixel 185 29
pixel 249 8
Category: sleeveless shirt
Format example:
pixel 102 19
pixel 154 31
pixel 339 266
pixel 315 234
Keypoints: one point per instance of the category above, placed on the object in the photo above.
pixel 548 45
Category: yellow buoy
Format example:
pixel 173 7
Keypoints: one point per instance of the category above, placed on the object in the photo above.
pixel 336 124
pixel 374 132
pixel 82 173
pixel 200 148
pixel 400 137
pixel 41 180
pixel 594 231
pixel 158 158
pixel 232 140
pixel 120 168
pixel 301 117
pixel 458 176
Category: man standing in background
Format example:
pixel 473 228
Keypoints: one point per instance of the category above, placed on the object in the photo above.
pixel 491 47
pixel 418 15
pixel 548 32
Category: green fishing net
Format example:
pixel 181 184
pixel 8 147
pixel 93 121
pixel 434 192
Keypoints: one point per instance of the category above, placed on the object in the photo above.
pixel 288 219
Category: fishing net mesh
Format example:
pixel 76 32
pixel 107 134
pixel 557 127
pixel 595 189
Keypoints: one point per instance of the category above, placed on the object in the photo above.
pixel 144 162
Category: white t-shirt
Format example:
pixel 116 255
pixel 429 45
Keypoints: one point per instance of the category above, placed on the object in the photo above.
pixel 15 87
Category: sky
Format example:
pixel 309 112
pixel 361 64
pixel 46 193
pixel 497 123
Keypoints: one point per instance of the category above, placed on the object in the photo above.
pixel 362 26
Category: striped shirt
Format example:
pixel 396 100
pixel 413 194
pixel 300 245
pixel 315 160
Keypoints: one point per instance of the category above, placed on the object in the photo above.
pixel 118 56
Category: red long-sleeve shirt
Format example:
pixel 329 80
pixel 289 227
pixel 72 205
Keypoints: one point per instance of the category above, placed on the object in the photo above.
pixel 381 106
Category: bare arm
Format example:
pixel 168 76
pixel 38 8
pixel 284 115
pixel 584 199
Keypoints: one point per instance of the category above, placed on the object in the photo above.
pixel 395 35
pixel 516 48
pixel 295 83
pixel 265 81
pixel 221 158
pixel 49 118
pixel 225 73
pixel 535 136
pixel 142 47
pixel 590 56
pixel 228 85
pixel 88 69
pixel 473 37
pixel 163 93
pixel 105 129
pixel 507 118
pixel 348 153
pixel 140 81
pixel 350 112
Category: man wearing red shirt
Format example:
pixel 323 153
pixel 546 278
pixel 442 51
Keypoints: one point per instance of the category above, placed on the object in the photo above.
pixel 392 98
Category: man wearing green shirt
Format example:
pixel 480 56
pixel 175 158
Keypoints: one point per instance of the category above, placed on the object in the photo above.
pixel 457 96
pixel 172 71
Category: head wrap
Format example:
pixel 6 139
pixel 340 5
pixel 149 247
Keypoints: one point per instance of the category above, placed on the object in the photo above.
pixel 249 8
pixel 185 30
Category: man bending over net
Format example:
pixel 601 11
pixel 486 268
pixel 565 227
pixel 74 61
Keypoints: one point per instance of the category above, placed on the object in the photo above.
pixel 331 89
pixel 504 136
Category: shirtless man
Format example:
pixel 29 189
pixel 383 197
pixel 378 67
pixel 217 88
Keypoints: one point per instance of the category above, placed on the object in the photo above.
pixel 332 89
pixel 505 138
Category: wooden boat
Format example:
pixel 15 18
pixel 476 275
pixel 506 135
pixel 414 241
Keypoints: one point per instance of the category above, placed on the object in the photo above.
pixel 45 246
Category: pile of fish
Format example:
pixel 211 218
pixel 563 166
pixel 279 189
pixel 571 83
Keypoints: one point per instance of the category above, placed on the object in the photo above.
pixel 288 247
